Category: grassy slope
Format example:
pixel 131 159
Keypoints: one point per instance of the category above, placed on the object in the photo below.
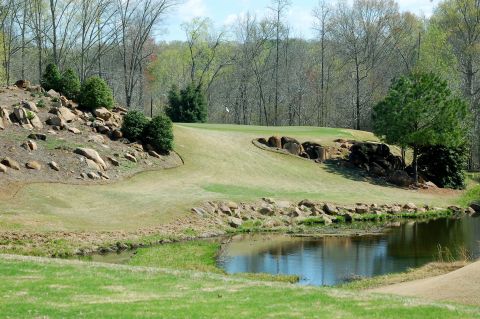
pixel 56 288
pixel 220 163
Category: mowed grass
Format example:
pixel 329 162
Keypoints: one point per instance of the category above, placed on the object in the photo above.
pixel 220 163
pixel 45 288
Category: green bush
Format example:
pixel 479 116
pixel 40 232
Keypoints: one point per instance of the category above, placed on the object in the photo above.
pixel 444 166
pixel 95 93
pixel 41 103
pixel 134 124
pixel 159 134
pixel 70 84
pixel 187 105
pixel 51 79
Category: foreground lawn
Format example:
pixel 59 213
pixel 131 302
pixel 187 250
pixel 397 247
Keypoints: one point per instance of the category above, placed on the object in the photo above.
pixel 34 287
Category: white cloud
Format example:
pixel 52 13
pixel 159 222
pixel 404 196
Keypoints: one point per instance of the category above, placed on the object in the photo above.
pixel 192 9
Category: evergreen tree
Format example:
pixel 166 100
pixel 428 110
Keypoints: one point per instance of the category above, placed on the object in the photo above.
pixel 187 105
pixel 70 84
pixel 51 79
pixel 419 111
pixel 95 93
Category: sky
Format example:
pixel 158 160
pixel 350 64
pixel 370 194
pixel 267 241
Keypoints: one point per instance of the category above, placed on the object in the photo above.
pixel 226 12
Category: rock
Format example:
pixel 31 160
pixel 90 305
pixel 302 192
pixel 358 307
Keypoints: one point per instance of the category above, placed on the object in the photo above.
pixel 22 84
pixel 475 207
pixel 93 175
pixel 56 121
pixel 4 118
pixel 400 178
pixel 285 139
pixel 307 203
pixel 36 122
pixel 455 208
pixel 53 165
pixel 154 154
pixel 275 141
pixel 3 168
pixel 7 161
pixel 296 212
pixel 92 165
pixel 270 201
pixel 266 211
pixel 21 115
pixel 38 136
pixel 262 141
pixel 30 145
pixel 113 161
pixel 35 89
pixel 92 155
pixel 330 209
pixel 74 130
pixel 96 139
pixel 200 212
pixel 410 206
pixel 103 175
pixel 363 209
pixel 66 114
pixel 130 157
pixel 31 106
pixel 33 165
pixel 293 148
pixel 53 94
pixel 103 113
pixel 326 219
pixel 232 205
pixel 234 222
pixel 117 134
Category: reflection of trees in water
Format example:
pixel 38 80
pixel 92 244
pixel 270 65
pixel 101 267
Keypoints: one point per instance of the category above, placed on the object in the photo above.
pixel 423 238
pixel 329 260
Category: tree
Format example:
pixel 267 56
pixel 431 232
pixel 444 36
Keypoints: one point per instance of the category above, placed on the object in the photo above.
pixel 51 79
pixel 419 111
pixel 70 84
pixel 159 134
pixel 96 93
pixel 187 105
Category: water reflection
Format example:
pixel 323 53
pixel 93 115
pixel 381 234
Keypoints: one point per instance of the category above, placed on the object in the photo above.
pixel 333 260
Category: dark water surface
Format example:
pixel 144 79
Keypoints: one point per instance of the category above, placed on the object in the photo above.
pixel 334 260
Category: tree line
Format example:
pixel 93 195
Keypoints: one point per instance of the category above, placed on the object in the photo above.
pixel 255 71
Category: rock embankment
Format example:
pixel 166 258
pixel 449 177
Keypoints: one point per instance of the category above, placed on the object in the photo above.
pixel 269 213
pixel 46 137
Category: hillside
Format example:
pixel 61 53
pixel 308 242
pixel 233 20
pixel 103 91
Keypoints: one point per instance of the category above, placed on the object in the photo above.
pixel 220 162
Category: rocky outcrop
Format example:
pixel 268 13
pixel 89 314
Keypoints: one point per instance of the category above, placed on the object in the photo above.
pixel 269 213
pixel 91 155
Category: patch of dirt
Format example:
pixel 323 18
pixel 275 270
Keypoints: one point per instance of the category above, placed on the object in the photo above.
pixel 57 144
pixel 462 286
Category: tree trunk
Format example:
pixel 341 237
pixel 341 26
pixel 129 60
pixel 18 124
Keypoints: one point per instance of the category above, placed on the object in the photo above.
pixel 357 97
pixel 415 164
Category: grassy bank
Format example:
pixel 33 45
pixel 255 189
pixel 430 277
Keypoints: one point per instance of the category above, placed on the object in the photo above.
pixel 197 256
pixel 58 288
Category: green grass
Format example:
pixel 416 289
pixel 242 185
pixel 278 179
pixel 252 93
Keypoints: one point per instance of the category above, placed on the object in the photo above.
pixel 221 163
pixel 194 255
pixel 34 288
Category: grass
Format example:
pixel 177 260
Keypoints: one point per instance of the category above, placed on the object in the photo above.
pixel 220 163
pixel 196 256
pixel 34 288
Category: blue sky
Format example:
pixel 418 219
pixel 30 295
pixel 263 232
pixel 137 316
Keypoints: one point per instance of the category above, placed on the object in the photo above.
pixel 225 12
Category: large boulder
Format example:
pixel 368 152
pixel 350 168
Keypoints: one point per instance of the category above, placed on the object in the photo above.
pixel 293 148
pixel 22 84
pixel 103 113
pixel 21 115
pixel 31 106
pixel 36 122
pixel 400 178
pixel 92 155
pixel 7 161
pixel 34 165
pixel 56 120
pixel 275 141
pixel 67 115
pixel 4 118
pixel 285 139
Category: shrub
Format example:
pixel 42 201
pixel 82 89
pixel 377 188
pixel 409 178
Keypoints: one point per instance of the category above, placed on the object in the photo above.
pixel 51 79
pixel 159 134
pixel 95 93
pixel 187 105
pixel 70 84
pixel 41 103
pixel 134 124
pixel 444 166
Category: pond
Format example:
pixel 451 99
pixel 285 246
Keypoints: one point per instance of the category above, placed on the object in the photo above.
pixel 333 260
